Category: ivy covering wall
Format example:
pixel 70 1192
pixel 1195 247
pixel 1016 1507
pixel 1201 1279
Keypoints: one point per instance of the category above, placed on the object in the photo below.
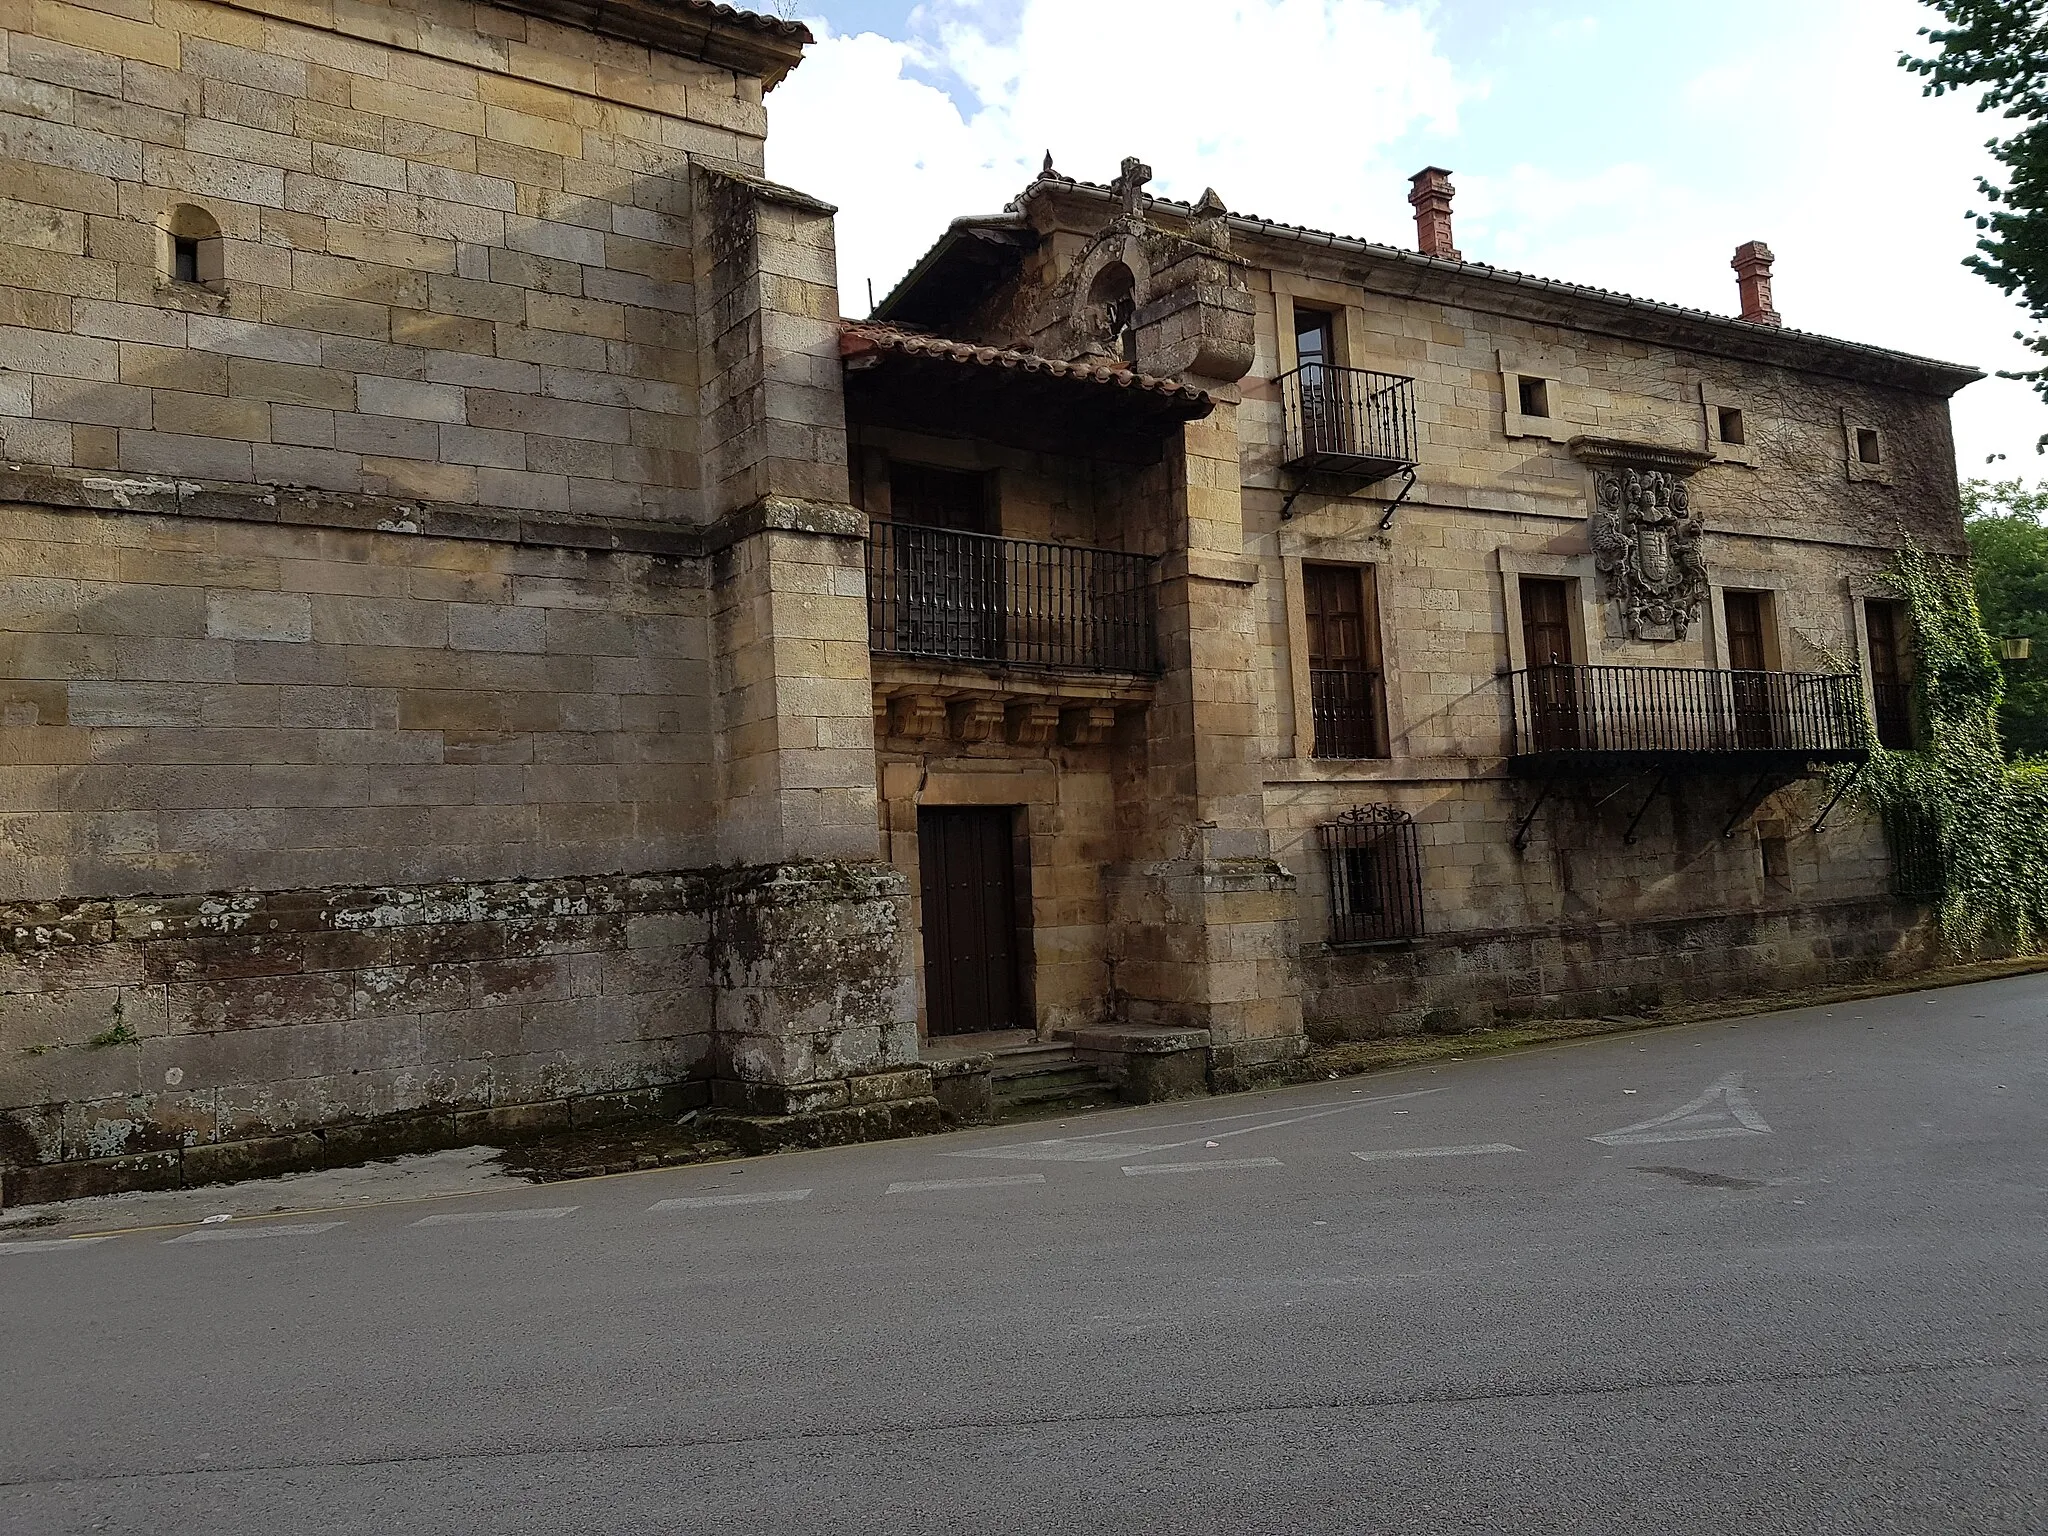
pixel 1988 819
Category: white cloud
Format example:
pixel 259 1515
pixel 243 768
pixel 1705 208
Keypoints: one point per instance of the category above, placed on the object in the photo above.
pixel 1285 106
pixel 1301 109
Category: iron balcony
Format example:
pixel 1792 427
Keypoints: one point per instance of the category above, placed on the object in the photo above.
pixel 1349 421
pixel 938 594
pixel 1569 719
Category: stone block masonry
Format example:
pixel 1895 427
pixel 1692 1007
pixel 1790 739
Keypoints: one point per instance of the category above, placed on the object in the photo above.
pixel 154 1040
pixel 451 253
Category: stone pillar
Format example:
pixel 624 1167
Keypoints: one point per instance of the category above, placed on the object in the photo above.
pixel 810 969
pixel 1202 916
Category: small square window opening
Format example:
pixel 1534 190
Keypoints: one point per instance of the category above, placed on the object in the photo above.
pixel 1730 425
pixel 1535 396
pixel 1777 860
pixel 1868 450
pixel 184 259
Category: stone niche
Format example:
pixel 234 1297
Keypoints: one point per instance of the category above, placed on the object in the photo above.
pixel 1645 536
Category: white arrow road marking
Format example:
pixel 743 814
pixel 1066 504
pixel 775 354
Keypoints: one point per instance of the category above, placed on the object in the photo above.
pixel 239 1234
pixel 705 1202
pixel 1482 1150
pixel 52 1244
pixel 1097 1148
pixel 1695 1121
pixel 1214 1162
pixel 526 1213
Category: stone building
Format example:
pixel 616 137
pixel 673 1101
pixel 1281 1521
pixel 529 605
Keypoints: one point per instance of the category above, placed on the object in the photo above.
pixel 484 647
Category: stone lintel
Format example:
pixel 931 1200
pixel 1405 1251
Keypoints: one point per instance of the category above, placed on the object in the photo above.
pixel 785 514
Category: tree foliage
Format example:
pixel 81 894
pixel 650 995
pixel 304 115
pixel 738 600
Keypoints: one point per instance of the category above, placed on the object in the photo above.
pixel 2001 48
pixel 2009 553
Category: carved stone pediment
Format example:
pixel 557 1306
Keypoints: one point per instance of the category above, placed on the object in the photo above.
pixel 1645 535
pixel 1166 302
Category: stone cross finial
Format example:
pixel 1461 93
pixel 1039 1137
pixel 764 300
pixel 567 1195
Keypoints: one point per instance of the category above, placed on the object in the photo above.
pixel 1046 169
pixel 1130 185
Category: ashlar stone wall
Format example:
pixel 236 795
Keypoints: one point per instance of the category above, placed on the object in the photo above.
pixel 454 254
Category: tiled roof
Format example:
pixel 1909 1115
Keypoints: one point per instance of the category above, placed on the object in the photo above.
pixel 1957 374
pixel 858 338
pixel 795 31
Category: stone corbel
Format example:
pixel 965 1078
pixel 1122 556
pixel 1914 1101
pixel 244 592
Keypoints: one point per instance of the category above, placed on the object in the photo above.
pixel 1029 723
pixel 975 719
pixel 1088 725
pixel 920 716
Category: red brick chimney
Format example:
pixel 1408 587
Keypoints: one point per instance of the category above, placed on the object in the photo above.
pixel 1432 200
pixel 1753 279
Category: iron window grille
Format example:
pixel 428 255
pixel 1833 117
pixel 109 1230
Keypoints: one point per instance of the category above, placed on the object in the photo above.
pixel 1374 858
pixel 1914 839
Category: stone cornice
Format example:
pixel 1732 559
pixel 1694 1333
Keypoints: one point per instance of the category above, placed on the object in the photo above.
pixel 159 496
pixel 1617 452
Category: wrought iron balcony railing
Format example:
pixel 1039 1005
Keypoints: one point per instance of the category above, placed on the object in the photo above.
pixel 1349 421
pixel 1567 717
pixel 1350 712
pixel 936 593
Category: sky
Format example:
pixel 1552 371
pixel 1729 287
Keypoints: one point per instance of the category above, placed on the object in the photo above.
pixel 1629 144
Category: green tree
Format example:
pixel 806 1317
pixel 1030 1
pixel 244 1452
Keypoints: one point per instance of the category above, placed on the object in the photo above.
pixel 2009 554
pixel 2001 47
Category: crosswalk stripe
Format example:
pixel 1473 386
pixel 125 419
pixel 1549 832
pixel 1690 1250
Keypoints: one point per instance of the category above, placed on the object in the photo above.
pixel 51 1244
pixel 1203 1167
pixel 525 1213
pixel 705 1202
pixel 239 1234
pixel 912 1186
pixel 1394 1154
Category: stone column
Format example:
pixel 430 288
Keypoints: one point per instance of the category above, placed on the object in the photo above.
pixel 809 938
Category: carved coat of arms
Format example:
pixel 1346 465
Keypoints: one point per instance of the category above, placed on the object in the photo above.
pixel 1646 541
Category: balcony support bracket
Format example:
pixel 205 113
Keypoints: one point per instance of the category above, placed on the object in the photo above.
pixel 1287 506
pixel 1766 785
pixel 1395 505
pixel 1836 799
pixel 1521 844
pixel 1643 810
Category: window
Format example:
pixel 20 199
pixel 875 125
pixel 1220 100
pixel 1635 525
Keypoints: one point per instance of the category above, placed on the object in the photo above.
pixel 1891 676
pixel 1864 452
pixel 1776 855
pixel 1534 395
pixel 1375 864
pixel 1347 686
pixel 190 249
pixel 1315 338
pixel 1731 425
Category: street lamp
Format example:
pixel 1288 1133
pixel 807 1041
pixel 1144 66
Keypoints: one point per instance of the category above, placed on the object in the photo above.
pixel 2018 647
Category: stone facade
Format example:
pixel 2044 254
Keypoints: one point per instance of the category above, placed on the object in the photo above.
pixel 435 687
pixel 484 646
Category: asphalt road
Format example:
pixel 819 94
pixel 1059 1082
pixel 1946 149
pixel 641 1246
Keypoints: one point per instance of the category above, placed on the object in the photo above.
pixel 1787 1274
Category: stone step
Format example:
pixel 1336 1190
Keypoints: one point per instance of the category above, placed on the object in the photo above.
pixel 1024 1061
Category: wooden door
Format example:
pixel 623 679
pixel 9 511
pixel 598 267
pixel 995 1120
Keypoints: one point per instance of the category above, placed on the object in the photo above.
pixel 967 882
pixel 1890 684
pixel 1754 727
pixel 948 588
pixel 1553 684
pixel 1346 681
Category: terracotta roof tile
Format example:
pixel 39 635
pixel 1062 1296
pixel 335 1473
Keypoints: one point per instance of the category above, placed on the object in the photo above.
pixel 860 337
pixel 795 31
